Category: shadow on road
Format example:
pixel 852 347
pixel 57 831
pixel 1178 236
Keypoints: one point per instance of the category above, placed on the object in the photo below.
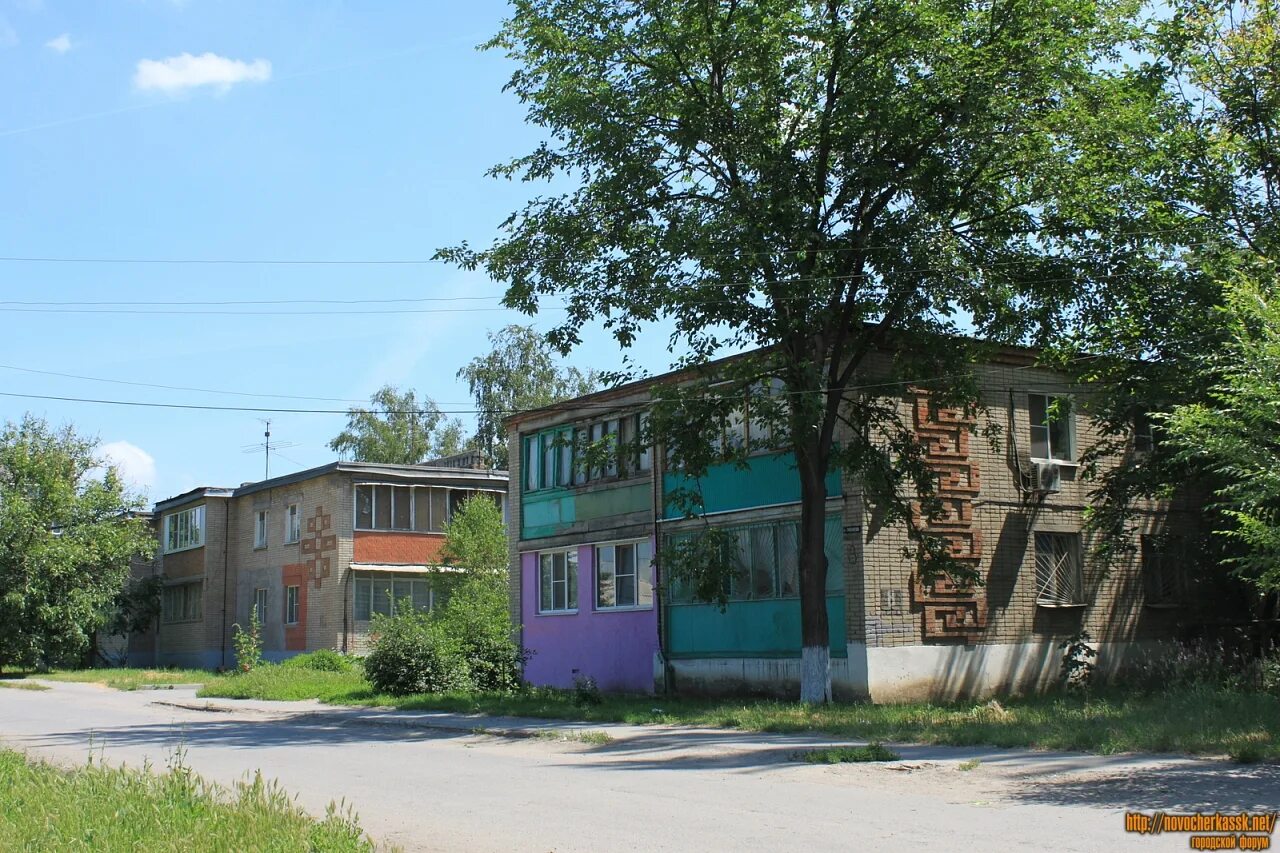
pixel 1186 788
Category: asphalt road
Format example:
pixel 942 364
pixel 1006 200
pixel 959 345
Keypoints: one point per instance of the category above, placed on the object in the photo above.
pixel 425 788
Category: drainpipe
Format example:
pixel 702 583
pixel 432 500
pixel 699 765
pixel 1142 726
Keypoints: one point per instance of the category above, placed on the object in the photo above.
pixel 656 492
pixel 226 580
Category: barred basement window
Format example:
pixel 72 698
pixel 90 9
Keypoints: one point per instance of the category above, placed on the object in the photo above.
pixel 1059 574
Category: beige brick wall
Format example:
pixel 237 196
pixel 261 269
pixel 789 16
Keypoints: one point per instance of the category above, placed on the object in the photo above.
pixel 261 567
pixel 879 595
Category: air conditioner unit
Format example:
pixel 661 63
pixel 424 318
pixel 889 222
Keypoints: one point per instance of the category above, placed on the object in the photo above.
pixel 1048 477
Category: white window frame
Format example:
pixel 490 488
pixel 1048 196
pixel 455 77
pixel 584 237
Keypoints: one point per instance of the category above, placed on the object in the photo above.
pixel 260 604
pixel 260 520
pixel 184 530
pixel 292 524
pixel 292 599
pixel 1070 452
pixel 639 572
pixel 546 560
pixel 1058 569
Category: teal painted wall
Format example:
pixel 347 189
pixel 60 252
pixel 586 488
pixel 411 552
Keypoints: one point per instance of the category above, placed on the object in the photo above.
pixel 554 511
pixel 769 628
pixel 770 479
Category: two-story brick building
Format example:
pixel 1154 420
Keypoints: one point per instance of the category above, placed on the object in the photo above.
pixel 592 603
pixel 315 554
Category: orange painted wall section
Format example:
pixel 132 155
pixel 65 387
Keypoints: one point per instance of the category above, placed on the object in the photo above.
pixel 295 636
pixel 383 546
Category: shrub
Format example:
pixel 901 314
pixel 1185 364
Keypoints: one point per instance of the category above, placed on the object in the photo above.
pixel 586 692
pixel 477 619
pixel 248 644
pixel 412 653
pixel 323 660
pixel 1198 665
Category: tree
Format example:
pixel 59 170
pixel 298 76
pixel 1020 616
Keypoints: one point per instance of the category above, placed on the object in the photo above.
pixel 518 373
pixel 1207 170
pixel 477 614
pixel 1235 432
pixel 398 430
pixel 67 534
pixel 817 183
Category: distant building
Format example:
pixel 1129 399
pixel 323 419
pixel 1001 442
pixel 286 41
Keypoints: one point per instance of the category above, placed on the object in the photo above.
pixel 315 554
pixel 590 598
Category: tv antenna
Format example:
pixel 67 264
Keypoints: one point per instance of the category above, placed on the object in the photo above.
pixel 266 446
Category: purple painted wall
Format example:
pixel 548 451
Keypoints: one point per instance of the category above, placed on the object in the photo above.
pixel 616 648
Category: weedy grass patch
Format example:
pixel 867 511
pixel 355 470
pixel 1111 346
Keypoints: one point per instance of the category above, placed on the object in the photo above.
pixel 130 678
pixel 873 751
pixel 96 807
pixel 1192 720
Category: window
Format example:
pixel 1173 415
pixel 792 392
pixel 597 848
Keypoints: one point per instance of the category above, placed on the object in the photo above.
pixel 624 575
pixel 260 529
pixel 182 603
pixel 1051 427
pixel 765 558
pixel 1144 434
pixel 384 593
pixel 558 457
pixel 292 527
pixel 424 509
pixel 291 605
pixel 260 605
pixel 558 581
pixel 183 530
pixel 1162 571
pixel 1059 576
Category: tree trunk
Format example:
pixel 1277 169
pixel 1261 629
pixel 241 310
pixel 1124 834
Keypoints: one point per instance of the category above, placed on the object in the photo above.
pixel 815 655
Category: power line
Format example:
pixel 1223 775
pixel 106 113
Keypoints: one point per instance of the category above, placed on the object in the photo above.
pixel 178 387
pixel 56 259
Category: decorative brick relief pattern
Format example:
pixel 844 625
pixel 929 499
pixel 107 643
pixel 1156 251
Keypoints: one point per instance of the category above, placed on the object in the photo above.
pixel 950 611
pixel 317 545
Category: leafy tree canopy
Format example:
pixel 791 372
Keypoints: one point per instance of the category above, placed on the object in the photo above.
pixel 398 430
pixel 817 182
pixel 68 530
pixel 519 372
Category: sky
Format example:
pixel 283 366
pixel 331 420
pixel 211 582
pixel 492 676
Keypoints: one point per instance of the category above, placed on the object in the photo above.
pixel 237 132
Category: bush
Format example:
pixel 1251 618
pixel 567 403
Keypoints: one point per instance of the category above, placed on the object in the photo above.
pixel 323 660
pixel 477 618
pixel 1199 665
pixel 412 653
pixel 248 644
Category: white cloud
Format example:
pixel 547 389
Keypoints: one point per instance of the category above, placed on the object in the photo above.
pixel 185 71
pixel 61 44
pixel 135 465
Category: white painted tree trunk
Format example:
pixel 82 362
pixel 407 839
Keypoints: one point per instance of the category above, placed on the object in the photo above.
pixel 815 675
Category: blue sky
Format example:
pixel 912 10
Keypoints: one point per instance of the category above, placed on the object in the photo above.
pixel 233 131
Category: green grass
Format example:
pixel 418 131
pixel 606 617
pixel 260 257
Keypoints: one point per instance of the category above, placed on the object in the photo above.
pixel 128 679
pixel 21 685
pixel 874 751
pixel 115 809
pixel 1205 721
pixel 570 735
pixel 971 764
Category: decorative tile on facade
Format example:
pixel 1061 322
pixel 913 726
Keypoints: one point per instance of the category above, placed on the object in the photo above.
pixel 318 545
pixel 950 611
